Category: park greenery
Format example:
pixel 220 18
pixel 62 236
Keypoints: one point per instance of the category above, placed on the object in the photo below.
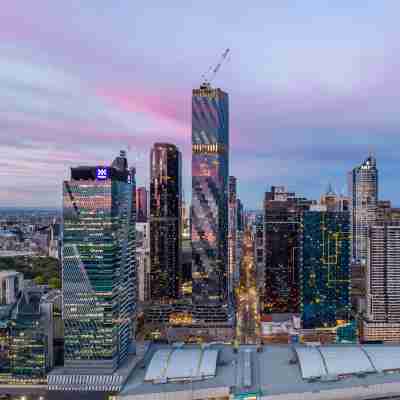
pixel 43 270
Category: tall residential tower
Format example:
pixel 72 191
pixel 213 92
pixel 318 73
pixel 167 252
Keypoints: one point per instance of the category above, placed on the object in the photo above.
pixel 363 190
pixel 233 219
pixel 165 222
pixel 210 171
pixel 280 292
pixel 382 321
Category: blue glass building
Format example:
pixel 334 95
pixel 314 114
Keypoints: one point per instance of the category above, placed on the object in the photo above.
pixel 99 268
pixel 324 268
pixel 210 164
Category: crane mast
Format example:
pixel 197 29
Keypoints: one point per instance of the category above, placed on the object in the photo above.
pixel 208 76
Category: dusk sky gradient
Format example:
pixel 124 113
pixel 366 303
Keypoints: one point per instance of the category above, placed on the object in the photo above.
pixel 314 86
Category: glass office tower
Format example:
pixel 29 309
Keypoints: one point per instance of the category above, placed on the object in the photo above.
pixel 363 190
pixel 165 222
pixel 280 291
pixel 210 164
pixel 99 268
pixel 325 268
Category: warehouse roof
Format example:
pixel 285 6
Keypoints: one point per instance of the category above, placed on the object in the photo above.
pixel 277 369
pixel 179 364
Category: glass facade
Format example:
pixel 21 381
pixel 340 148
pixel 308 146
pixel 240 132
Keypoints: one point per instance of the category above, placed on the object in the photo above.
pixel 325 268
pixel 165 222
pixel 99 267
pixel 280 291
pixel 363 189
pixel 141 205
pixel 233 219
pixel 210 164
pixel 26 340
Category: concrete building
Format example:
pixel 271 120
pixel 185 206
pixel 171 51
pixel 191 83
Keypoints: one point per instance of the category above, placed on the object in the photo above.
pixel 11 285
pixel 383 284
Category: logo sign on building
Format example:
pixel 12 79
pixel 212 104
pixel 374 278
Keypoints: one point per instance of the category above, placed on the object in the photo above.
pixel 101 174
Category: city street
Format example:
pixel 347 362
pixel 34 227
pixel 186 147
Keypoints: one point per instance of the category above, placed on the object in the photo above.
pixel 248 318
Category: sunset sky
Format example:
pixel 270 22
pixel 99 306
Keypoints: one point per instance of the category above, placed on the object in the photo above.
pixel 314 86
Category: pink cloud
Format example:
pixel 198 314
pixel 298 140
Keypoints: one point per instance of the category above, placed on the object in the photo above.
pixel 172 106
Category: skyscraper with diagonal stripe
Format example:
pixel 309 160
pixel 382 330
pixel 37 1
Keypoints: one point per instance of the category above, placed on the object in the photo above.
pixel 210 171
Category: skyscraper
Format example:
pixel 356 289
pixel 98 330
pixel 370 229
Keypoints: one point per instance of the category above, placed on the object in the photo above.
pixel 210 165
pixel 11 284
pixel 141 205
pixel 282 212
pixel 165 222
pixel 324 263
pixel 383 283
pixel 334 202
pixel 363 190
pixel 233 219
pixel 99 267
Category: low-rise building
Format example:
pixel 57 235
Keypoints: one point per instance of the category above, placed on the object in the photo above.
pixel 276 372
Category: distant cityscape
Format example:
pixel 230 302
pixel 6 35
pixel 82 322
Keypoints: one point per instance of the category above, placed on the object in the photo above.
pixel 131 293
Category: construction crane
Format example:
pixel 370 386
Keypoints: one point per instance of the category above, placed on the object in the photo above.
pixel 214 70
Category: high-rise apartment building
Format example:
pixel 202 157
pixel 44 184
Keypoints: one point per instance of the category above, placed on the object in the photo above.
pixel 165 222
pixel 383 284
pixel 141 205
pixel 11 284
pixel 280 289
pixel 363 190
pixel 143 260
pixel 99 266
pixel 324 264
pixel 240 216
pixel 210 165
pixel 233 219
pixel 259 249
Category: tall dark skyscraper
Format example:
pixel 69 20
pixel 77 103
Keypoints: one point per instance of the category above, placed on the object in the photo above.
pixel 282 211
pixel 324 263
pixel 363 190
pixel 99 267
pixel 141 205
pixel 165 222
pixel 233 219
pixel 210 171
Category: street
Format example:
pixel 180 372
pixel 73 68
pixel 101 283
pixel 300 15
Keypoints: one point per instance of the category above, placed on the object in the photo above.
pixel 248 318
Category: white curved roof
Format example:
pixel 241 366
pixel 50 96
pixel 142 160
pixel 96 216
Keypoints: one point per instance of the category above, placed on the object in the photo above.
pixel 311 362
pixel 344 360
pixel 384 358
pixel 178 364
pixel 323 361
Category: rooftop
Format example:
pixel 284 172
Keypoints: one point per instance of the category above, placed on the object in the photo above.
pixel 276 370
pixel 5 274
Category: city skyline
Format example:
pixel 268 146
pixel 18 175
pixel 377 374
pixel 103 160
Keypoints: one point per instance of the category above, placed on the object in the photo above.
pixel 110 78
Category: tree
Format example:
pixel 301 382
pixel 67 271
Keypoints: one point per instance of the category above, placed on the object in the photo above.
pixel 55 283
pixel 39 280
